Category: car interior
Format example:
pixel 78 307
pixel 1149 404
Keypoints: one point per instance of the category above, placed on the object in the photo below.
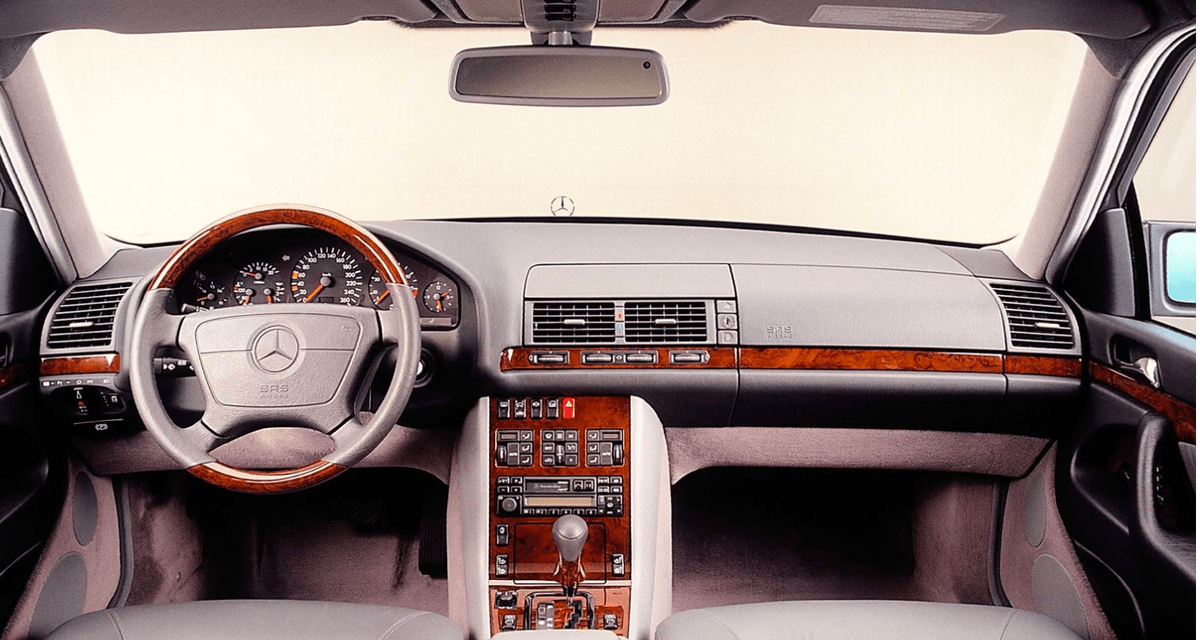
pixel 693 380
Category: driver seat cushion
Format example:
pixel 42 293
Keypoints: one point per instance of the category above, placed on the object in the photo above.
pixel 259 620
pixel 865 620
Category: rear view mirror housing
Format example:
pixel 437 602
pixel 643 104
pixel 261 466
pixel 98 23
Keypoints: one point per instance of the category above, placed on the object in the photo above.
pixel 559 76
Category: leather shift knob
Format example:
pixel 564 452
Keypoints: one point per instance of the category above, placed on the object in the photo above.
pixel 570 533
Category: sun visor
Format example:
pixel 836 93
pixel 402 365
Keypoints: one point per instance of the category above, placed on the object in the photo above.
pixel 1104 18
pixel 24 17
pixel 509 11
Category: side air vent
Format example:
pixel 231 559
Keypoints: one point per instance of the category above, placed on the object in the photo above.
pixel 86 316
pixel 1036 319
pixel 574 322
pixel 666 321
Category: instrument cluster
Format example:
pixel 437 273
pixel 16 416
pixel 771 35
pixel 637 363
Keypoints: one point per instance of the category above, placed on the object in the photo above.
pixel 306 267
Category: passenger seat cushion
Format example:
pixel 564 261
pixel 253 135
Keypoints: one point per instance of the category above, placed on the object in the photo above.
pixel 861 620
pixel 259 620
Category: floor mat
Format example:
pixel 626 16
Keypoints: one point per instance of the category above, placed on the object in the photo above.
pixel 756 535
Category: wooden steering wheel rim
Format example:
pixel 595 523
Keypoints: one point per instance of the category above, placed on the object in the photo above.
pixel 169 274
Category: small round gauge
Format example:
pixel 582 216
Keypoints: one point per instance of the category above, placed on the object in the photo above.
pixel 206 293
pixel 258 283
pixel 380 296
pixel 328 275
pixel 441 297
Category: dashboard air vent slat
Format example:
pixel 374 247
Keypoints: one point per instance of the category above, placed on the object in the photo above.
pixel 574 322
pixel 87 315
pixel 666 322
pixel 1036 319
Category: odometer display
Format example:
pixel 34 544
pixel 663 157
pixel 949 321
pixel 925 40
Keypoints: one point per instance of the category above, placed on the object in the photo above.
pixel 328 275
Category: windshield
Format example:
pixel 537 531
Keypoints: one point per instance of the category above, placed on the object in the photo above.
pixel 945 137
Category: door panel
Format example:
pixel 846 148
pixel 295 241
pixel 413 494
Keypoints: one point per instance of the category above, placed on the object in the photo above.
pixel 1127 472
pixel 28 500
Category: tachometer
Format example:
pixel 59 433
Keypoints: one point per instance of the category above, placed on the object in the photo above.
pixel 327 275
pixel 258 282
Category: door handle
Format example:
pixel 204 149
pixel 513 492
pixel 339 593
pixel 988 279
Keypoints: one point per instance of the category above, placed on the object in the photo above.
pixel 1147 368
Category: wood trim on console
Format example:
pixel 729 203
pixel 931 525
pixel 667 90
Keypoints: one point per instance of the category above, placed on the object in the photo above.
pixel 248 481
pixel 530 548
pixel 73 365
pixel 1067 367
pixel 1181 414
pixel 14 373
pixel 176 266
pixel 517 358
pixel 825 359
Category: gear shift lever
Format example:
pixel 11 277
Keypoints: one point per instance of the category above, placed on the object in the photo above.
pixel 570 533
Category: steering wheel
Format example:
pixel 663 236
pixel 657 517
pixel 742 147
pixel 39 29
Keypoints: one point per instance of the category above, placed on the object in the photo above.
pixel 280 365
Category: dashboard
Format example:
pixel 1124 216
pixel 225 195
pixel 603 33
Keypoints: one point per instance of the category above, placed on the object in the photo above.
pixel 712 327
pixel 299 266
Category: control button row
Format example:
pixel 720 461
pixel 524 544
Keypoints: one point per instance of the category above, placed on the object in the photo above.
pixel 619 357
pixel 615 510
pixel 535 408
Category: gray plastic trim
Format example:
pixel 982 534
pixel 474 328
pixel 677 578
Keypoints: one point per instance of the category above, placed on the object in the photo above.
pixel 469 485
pixel 15 156
pixel 621 281
pixel 1123 114
pixel 648 447
pixel 856 307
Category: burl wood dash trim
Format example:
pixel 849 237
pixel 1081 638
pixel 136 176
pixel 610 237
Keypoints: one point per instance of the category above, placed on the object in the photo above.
pixel 266 482
pixel 1181 414
pixel 1065 367
pixel 836 359
pixel 189 252
pixel 14 374
pixel 517 358
pixel 81 365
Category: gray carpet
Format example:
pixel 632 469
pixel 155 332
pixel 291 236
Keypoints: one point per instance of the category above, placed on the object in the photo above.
pixel 355 539
pixel 757 535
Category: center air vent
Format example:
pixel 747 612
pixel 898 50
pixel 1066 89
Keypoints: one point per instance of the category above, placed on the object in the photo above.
pixel 1036 318
pixel 574 322
pixel 666 321
pixel 86 316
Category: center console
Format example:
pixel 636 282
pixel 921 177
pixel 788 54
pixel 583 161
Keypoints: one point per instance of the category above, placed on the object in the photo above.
pixel 553 457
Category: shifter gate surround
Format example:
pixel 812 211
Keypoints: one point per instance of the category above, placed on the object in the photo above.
pixel 286 365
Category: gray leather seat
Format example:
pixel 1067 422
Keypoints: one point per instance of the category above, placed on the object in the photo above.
pixel 854 620
pixel 259 620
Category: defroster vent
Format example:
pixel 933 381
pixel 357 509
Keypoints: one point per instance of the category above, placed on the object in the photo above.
pixel 1036 319
pixel 86 316
pixel 685 321
pixel 574 322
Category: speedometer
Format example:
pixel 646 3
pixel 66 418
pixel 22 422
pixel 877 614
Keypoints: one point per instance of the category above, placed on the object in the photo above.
pixel 328 275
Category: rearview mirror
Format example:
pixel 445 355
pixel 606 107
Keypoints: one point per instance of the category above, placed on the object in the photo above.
pixel 559 76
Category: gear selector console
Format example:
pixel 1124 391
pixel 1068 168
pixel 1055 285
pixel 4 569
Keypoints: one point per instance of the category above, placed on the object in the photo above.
pixel 560 549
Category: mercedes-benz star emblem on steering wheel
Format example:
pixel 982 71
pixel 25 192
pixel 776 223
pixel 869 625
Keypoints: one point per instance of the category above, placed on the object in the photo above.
pixel 276 349
pixel 562 206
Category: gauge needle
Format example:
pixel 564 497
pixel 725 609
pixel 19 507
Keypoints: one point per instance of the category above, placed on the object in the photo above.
pixel 382 296
pixel 312 295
